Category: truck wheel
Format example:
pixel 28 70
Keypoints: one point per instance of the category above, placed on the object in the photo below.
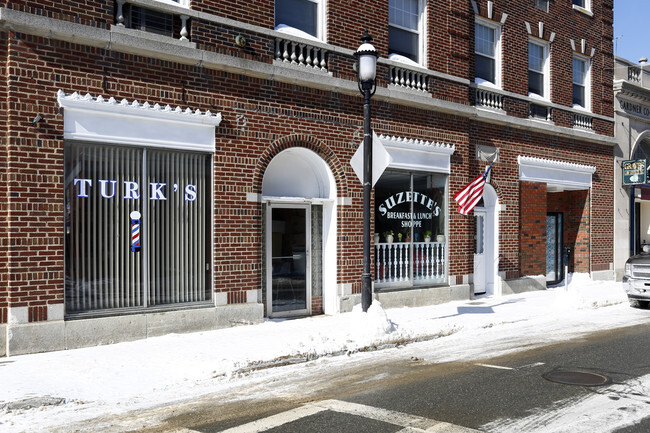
pixel 638 304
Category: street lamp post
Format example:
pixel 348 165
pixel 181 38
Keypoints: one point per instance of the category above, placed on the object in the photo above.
pixel 367 71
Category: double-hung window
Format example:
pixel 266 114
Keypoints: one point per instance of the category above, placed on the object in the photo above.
pixel 581 90
pixel 302 15
pixel 538 69
pixel 487 49
pixel 405 29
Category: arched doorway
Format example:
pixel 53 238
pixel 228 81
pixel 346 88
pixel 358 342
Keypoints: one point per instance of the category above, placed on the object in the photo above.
pixel 299 196
pixel 486 245
pixel 640 199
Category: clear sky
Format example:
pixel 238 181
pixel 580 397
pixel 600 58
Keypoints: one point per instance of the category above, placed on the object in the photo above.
pixel 631 25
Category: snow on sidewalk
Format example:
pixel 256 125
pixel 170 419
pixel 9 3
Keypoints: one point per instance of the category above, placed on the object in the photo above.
pixel 152 371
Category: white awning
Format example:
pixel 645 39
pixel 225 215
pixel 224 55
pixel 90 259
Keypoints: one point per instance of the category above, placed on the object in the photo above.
pixel 558 175
pixel 96 119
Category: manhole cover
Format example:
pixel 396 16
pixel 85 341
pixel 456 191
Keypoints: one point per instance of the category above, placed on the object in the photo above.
pixel 573 377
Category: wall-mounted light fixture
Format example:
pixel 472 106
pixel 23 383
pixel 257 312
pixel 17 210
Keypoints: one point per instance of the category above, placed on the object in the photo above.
pixel 240 41
pixel 37 119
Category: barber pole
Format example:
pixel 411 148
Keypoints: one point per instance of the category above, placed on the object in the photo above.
pixel 135 231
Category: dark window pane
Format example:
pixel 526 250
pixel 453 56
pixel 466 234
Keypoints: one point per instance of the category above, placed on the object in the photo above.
pixel 403 42
pixel 536 83
pixel 580 3
pixel 299 14
pixel 485 68
pixel 538 111
pixel 579 95
pixel 542 4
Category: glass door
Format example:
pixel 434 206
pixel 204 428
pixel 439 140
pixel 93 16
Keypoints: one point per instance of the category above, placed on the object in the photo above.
pixel 288 260
pixel 554 247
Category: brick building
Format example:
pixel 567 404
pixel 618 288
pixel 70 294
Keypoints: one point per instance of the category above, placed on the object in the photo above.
pixel 173 166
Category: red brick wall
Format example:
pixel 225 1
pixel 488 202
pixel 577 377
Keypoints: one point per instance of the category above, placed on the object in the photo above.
pixel 281 115
pixel 532 241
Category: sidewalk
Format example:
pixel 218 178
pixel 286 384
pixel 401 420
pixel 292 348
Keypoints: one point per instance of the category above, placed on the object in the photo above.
pixel 144 373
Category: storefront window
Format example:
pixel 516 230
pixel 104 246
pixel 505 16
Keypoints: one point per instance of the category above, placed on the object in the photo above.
pixel 410 229
pixel 137 227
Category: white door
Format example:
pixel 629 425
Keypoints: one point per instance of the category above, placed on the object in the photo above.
pixel 479 252
pixel 288 265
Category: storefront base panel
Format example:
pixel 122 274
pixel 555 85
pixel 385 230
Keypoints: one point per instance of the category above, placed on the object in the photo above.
pixel 606 276
pixel 37 337
pixel 525 284
pixel 423 297
pixel 50 336
pixel 347 302
pixel 3 340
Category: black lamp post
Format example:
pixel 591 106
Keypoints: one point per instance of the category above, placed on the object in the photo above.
pixel 367 69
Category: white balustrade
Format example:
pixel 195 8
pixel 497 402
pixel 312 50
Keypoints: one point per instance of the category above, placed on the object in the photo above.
pixel 582 121
pixel 301 54
pixel 393 262
pixel 407 78
pixel 487 99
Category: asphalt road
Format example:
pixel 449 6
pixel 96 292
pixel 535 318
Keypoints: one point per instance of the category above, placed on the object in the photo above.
pixel 410 395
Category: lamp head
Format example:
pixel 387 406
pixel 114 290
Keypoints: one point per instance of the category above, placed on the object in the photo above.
pixel 367 59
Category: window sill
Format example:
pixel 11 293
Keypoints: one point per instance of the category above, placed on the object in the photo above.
pixel 583 10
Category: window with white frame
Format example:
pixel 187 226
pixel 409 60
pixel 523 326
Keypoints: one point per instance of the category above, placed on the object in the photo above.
pixel 406 28
pixel 487 49
pixel 581 90
pixel 538 68
pixel 583 4
pixel 303 15
pixel 542 4
pixel 138 206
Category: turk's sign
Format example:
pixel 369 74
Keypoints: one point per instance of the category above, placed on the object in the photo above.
pixel 131 190
pixel 409 219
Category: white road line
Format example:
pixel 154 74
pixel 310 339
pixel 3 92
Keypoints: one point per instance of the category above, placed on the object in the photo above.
pixel 499 367
pixel 411 423
pixel 268 423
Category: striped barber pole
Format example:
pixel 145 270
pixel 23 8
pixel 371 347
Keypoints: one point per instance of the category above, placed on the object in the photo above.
pixel 135 231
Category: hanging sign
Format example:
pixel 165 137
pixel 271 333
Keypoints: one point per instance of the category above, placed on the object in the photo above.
pixel 634 172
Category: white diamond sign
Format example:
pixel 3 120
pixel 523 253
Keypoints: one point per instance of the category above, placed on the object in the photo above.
pixel 380 160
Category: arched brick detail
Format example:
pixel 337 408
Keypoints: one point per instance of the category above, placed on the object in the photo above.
pixel 307 142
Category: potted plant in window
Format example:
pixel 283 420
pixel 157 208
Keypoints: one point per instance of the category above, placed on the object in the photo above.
pixel 388 235
pixel 427 236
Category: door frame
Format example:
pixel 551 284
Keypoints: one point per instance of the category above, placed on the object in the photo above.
pixel 270 205
pixel 480 271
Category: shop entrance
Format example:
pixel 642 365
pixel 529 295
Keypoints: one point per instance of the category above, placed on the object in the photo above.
pixel 554 248
pixel 289 286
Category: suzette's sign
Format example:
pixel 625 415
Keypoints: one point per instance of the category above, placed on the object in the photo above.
pixel 409 219
pixel 130 190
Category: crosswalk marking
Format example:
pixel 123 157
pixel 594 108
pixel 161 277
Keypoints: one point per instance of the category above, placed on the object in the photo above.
pixel 410 423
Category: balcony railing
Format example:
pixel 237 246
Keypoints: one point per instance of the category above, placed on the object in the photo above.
pixel 393 262
pixel 301 54
pixel 159 21
pixel 409 79
pixel 488 99
pixel 582 121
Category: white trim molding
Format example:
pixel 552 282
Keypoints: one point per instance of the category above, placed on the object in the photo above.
pixel 409 154
pixel 100 120
pixel 558 175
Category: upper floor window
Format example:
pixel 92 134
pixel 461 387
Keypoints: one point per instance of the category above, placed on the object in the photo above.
pixel 405 29
pixel 538 69
pixel 303 15
pixel 487 49
pixel 542 4
pixel 581 90
pixel 582 4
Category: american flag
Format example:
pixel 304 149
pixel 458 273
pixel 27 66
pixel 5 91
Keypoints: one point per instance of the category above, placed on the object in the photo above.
pixel 469 196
